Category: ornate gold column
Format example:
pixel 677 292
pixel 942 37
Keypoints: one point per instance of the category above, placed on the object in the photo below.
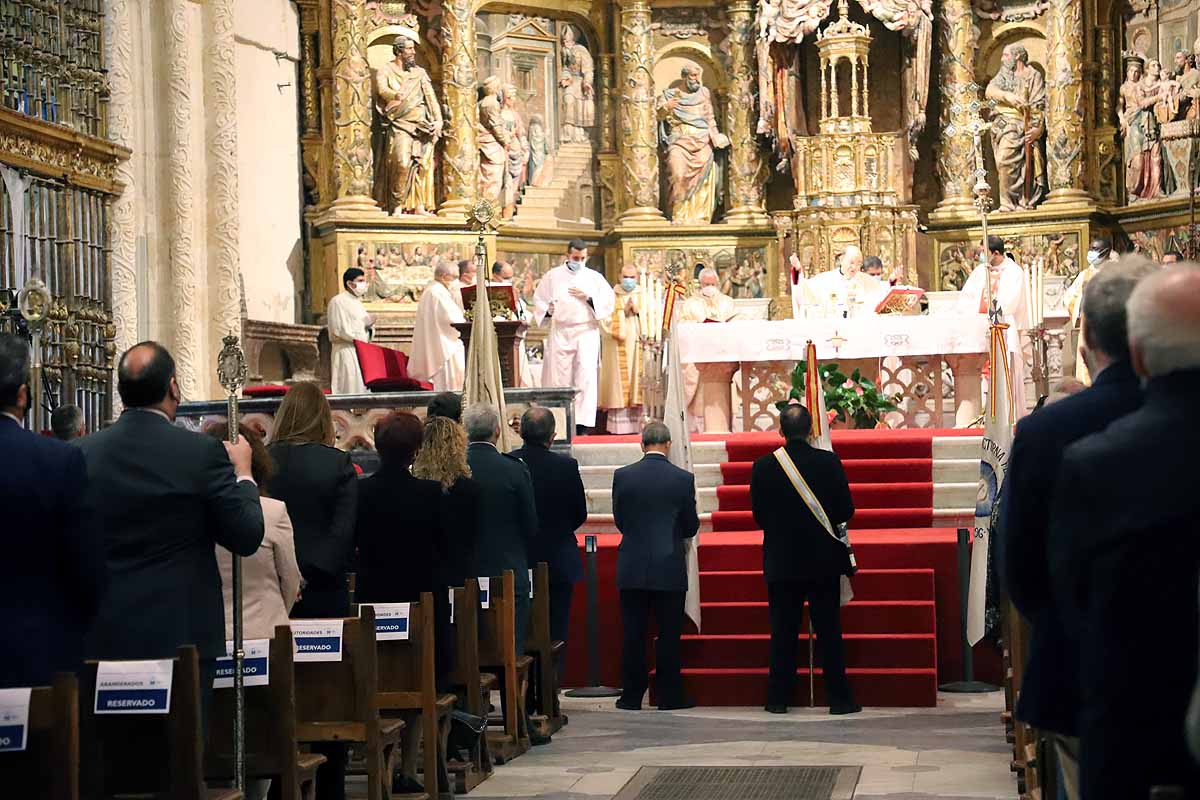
pixel 122 224
pixel 960 108
pixel 1064 102
pixel 460 148
pixel 353 160
pixel 637 128
pixel 1105 151
pixel 745 164
pixel 605 94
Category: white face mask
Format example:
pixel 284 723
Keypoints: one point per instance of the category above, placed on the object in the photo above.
pixel 575 264
pixel 1093 257
pixel 708 291
pixel 359 288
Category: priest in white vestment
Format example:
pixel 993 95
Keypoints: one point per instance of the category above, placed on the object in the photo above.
pixel 1010 290
pixel 465 279
pixel 710 305
pixel 348 320
pixel 437 354
pixel 502 275
pixel 802 297
pixel 574 299
pixel 846 289
pixel 621 357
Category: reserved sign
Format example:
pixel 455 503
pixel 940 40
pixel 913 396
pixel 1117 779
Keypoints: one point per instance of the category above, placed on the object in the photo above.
pixel 317 639
pixel 530 584
pixel 451 593
pixel 14 719
pixel 391 620
pixel 485 592
pixel 255 667
pixel 133 687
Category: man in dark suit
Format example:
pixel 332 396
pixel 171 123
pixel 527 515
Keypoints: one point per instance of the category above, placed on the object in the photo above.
pixel 508 519
pixel 802 560
pixel 561 510
pixel 654 507
pixel 164 496
pixel 1049 699
pixel 1124 554
pixel 56 575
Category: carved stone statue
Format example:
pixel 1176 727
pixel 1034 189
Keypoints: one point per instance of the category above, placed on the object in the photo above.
pixel 518 150
pixel 1146 173
pixel 411 123
pixel 688 133
pixel 539 171
pixel 1018 97
pixel 493 140
pixel 578 93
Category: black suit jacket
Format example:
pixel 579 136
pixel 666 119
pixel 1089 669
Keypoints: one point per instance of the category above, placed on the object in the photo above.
pixel 796 547
pixel 508 519
pixel 163 497
pixel 561 510
pixel 319 485
pixel 55 554
pixel 1050 687
pixel 400 537
pixel 1124 554
pixel 654 507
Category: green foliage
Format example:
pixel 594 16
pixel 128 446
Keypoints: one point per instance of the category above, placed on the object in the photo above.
pixel 854 399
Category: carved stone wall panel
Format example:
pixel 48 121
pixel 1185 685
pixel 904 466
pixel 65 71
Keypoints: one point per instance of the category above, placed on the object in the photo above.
pixel 916 384
pixel 460 148
pixel 352 157
pixel 1065 140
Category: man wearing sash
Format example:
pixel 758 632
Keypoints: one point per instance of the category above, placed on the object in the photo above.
pixel 799 496
pixel 620 357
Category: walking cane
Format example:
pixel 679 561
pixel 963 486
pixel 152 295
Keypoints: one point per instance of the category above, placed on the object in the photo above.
pixel 231 372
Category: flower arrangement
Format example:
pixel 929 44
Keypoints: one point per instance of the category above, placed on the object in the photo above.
pixel 856 401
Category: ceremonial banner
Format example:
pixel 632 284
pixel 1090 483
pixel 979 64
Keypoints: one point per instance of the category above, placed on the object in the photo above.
pixel 483 381
pixel 997 442
pixel 675 418
pixel 814 400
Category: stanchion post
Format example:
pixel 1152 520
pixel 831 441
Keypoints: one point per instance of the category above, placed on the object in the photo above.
pixel 594 688
pixel 968 685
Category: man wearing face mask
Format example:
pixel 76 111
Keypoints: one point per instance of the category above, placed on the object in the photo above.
pixel 620 357
pixel 837 290
pixel 710 305
pixel 1010 291
pixel 348 320
pixel 437 351
pixel 1099 254
pixel 574 299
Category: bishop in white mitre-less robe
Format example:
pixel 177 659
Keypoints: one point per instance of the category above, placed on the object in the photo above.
pixel 438 356
pixel 572 355
pixel 347 319
pixel 1010 290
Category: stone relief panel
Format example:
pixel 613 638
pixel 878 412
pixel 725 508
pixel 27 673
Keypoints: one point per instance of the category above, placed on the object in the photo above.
pixel 1060 251
pixel 528 269
pixel 743 270
pixel 1157 243
pixel 399 271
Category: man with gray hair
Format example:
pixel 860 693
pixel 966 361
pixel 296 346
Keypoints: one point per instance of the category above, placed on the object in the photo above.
pixel 1049 698
pixel 438 355
pixel 67 423
pixel 708 305
pixel 654 508
pixel 1124 553
pixel 846 288
pixel 508 521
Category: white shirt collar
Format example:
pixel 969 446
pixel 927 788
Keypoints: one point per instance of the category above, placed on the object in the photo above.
pixel 13 418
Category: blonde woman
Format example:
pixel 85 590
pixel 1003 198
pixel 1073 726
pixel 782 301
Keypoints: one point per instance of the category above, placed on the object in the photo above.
pixel 443 458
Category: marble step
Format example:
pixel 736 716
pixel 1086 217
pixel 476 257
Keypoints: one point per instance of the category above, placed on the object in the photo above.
pixel 618 454
pixel 955 495
pixel 708 476
pixel 957 447
pixel 599 501
pixel 956 470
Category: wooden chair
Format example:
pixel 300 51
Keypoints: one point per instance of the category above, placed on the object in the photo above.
pixel 472 686
pixel 272 749
pixel 408 684
pixel 336 701
pixel 546 653
pixel 498 654
pixel 157 756
pixel 49 765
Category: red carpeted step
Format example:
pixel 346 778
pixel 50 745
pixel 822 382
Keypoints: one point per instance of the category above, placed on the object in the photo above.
pixel 860 616
pixel 869 584
pixel 899 548
pixel 864 519
pixel 871 687
pixel 865 496
pixel 750 651
pixel 908 443
pixel 858 470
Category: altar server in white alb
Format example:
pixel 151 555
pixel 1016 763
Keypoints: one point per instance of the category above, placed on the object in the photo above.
pixel 574 299
pixel 347 319
pixel 1010 290
pixel 437 355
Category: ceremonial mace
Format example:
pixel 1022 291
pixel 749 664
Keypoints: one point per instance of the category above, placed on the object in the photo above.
pixel 983 203
pixel 33 301
pixel 231 372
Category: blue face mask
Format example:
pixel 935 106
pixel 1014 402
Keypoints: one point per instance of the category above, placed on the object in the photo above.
pixel 1093 257
pixel 629 284
pixel 574 265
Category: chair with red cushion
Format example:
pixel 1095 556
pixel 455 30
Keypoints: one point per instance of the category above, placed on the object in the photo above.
pixel 385 369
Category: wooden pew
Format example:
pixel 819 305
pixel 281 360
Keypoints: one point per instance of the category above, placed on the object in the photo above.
pixel 408 685
pixel 498 654
pixel 546 653
pixel 154 755
pixel 272 749
pixel 49 765
pixel 472 686
pixel 336 701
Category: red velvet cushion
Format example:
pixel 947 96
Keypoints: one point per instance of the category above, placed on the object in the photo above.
pixel 385 369
pixel 265 390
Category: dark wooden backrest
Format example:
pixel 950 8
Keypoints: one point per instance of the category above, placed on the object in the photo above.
pixel 466 644
pixel 270 717
pixel 49 765
pixel 144 753
pixel 497 630
pixel 407 665
pixel 539 639
pixel 342 691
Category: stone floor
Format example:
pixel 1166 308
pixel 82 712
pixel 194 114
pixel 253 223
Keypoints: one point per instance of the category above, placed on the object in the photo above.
pixel 953 752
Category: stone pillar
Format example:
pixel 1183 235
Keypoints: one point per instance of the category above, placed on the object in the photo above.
pixel 605 96
pixel 745 163
pixel 122 224
pixel 1065 144
pixel 220 99
pixel 460 146
pixel 960 107
pixel 353 160
pixel 637 125
pixel 1105 149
